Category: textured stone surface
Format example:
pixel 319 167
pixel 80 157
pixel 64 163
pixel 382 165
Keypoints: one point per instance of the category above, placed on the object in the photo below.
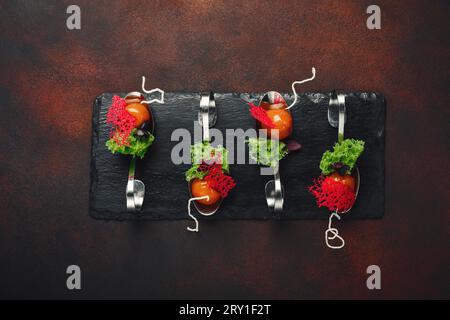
pixel 166 190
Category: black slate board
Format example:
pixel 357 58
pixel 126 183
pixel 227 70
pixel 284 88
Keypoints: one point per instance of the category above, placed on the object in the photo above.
pixel 166 190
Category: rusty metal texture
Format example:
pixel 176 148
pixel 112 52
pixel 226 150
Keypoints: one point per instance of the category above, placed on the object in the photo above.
pixel 50 75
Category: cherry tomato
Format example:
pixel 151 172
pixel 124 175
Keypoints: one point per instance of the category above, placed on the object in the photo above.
pixel 201 188
pixel 346 179
pixel 282 120
pixel 140 112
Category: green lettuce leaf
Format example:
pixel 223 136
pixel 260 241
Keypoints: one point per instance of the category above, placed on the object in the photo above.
pixel 262 151
pixel 137 147
pixel 204 152
pixel 193 173
pixel 346 152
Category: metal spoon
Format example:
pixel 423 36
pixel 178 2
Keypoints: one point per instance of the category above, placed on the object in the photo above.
pixel 207 117
pixel 337 118
pixel 135 190
pixel 274 188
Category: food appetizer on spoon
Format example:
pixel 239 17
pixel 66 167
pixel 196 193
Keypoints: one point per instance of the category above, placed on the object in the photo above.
pixel 337 188
pixel 132 127
pixel 208 178
pixel 275 122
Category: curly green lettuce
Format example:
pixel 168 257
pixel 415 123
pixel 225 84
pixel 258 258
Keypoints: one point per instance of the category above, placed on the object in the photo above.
pixel 263 151
pixel 345 152
pixel 137 146
pixel 194 173
pixel 204 152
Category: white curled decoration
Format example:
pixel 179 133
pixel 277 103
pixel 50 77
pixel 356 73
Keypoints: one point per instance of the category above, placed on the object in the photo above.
pixel 190 214
pixel 151 91
pixel 300 82
pixel 335 233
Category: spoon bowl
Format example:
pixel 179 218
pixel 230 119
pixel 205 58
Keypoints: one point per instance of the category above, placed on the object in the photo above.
pixel 137 97
pixel 355 175
pixel 273 100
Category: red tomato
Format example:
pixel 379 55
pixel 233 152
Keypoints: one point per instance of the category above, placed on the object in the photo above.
pixel 201 188
pixel 282 120
pixel 140 112
pixel 347 180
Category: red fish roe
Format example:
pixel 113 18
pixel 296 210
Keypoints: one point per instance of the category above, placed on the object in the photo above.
pixel 332 194
pixel 121 121
pixel 216 179
pixel 219 181
pixel 203 167
pixel 261 115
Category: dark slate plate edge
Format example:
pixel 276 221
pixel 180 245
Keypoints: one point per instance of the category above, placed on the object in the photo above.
pixel 94 142
pixel 383 115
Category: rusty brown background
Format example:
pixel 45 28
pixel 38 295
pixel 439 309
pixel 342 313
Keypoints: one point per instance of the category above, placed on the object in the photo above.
pixel 50 75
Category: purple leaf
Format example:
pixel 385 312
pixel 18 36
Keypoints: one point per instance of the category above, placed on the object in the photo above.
pixel 293 145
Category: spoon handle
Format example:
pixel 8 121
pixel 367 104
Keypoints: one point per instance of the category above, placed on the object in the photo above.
pixel 130 186
pixel 132 169
pixel 205 124
pixel 206 103
pixel 278 205
pixel 341 101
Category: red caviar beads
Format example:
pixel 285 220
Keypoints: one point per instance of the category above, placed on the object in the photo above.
pixel 219 181
pixel 332 194
pixel 122 121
